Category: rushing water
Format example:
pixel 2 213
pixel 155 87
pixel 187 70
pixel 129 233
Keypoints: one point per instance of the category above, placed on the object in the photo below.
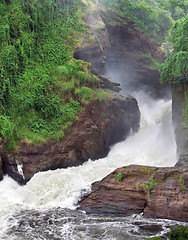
pixel 45 207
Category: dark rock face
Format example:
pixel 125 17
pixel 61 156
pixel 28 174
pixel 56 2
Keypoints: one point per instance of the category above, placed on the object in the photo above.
pixel 155 192
pixel 127 60
pixel 100 125
pixel 1 155
pixel 122 53
pixel 180 124
pixel 94 51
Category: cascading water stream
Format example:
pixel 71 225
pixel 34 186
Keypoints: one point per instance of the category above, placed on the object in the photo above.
pixel 35 211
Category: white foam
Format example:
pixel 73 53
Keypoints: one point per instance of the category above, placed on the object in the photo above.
pixel 153 145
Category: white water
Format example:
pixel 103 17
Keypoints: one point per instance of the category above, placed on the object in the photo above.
pixel 153 145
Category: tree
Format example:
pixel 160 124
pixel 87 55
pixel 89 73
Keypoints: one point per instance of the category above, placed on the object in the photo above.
pixel 175 68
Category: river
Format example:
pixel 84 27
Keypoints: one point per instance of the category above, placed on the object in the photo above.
pixel 45 208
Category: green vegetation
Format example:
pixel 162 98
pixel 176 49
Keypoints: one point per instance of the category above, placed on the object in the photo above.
pixel 148 187
pixel 178 233
pixel 150 62
pixel 175 68
pixel 119 177
pixel 182 184
pixel 177 8
pixel 107 188
pixel 42 88
pixel 101 26
pixel 148 16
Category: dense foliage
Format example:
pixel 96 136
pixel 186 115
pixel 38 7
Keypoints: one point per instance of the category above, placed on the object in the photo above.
pixel 148 16
pixel 42 88
pixel 175 69
pixel 178 233
pixel 177 8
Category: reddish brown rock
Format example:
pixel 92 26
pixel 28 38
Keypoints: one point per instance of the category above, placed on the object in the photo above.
pixel 100 125
pixel 155 192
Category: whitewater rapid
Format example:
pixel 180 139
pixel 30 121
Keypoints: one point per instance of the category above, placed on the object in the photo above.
pixel 153 145
pixel 21 206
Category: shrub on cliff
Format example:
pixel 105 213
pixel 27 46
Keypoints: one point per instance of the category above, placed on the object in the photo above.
pixel 147 16
pixel 179 233
pixel 175 68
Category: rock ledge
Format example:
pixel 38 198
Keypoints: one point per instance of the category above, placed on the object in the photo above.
pixel 155 192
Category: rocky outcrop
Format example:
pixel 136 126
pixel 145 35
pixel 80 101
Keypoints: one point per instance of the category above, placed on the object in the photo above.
pixel 132 58
pixel 154 192
pixel 100 125
pixel 1 155
pixel 93 48
pixel 180 123
pixel 119 51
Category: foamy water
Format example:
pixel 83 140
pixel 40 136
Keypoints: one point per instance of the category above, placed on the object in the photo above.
pixel 152 145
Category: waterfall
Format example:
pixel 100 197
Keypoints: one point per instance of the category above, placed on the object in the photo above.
pixel 152 145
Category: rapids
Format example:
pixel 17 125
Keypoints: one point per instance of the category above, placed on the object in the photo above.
pixel 45 207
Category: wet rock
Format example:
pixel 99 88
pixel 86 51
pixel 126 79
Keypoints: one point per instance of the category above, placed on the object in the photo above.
pixel 99 126
pixel 180 123
pixel 14 168
pixel 155 192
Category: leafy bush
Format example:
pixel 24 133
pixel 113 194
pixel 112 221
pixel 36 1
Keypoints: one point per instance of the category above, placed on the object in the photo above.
pixel 148 187
pixel 175 68
pixel 178 233
pixel 6 127
pixel 148 17
pixel 119 177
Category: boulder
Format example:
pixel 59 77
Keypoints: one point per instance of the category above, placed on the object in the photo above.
pixel 151 191
pixel 100 125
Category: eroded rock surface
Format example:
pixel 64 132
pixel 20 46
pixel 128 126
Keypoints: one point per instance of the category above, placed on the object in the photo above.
pixel 100 125
pixel 155 192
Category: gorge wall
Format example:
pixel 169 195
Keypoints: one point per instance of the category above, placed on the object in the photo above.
pixel 180 123
pixel 115 47
pixel 154 192
pixel 125 55
pixel 122 53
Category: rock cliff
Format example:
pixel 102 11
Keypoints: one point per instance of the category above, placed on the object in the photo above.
pixel 99 126
pixel 154 192
pixel 180 123
pixel 122 53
